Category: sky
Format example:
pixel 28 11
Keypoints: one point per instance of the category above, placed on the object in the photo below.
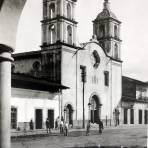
pixel 134 30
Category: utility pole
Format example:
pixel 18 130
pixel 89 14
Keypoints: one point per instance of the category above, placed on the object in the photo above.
pixel 83 78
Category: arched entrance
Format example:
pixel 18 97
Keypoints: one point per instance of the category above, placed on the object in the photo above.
pixel 95 109
pixel 68 114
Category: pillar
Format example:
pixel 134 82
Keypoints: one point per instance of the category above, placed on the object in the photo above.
pixel 61 8
pixel 5 94
pixel 10 11
pixel 128 116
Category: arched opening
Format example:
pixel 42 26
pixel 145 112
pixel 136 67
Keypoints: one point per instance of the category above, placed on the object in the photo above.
pixel 115 31
pixel 116 54
pixel 68 114
pixel 52 34
pixel 102 31
pixel 69 34
pixel 95 109
pixel 68 11
pixel 52 10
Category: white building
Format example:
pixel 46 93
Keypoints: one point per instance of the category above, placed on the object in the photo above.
pixel 79 82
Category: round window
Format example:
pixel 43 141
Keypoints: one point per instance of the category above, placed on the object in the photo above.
pixel 36 65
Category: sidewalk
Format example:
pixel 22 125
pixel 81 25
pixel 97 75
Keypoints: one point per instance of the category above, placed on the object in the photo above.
pixel 42 133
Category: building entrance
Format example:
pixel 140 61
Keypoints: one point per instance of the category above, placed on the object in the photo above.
pixel 146 117
pixel 13 118
pixel 38 118
pixel 95 109
pixel 51 118
pixel 125 115
pixel 69 114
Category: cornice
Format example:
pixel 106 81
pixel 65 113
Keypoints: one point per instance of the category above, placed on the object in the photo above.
pixel 58 18
pixel 60 43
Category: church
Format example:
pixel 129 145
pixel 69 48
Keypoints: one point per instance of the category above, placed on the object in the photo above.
pixel 78 82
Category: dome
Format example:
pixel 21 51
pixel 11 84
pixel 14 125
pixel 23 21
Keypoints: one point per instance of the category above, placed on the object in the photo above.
pixel 106 14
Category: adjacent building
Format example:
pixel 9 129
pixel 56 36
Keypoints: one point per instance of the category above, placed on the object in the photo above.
pixel 134 101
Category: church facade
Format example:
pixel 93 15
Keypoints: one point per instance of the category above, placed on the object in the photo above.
pixel 77 82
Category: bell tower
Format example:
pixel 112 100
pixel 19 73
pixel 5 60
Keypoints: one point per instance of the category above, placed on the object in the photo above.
pixel 58 34
pixel 107 29
pixel 58 24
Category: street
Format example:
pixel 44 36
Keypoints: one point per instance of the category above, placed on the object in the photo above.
pixel 131 136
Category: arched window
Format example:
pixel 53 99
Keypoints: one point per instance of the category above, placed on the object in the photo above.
pixel 51 10
pixel 116 54
pixel 68 11
pixel 69 34
pixel 102 31
pixel 115 31
pixel 52 34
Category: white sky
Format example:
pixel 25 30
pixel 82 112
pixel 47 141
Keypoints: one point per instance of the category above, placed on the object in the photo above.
pixel 134 30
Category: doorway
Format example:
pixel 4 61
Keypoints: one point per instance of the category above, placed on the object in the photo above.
pixel 125 115
pixel 13 117
pixel 132 116
pixel 69 114
pixel 51 117
pixel 140 116
pixel 38 118
pixel 145 117
pixel 95 111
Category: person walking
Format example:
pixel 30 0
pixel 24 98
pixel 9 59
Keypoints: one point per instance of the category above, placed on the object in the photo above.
pixel 31 125
pixel 88 128
pixel 101 127
pixel 61 126
pixel 66 129
pixel 47 125
pixel 56 123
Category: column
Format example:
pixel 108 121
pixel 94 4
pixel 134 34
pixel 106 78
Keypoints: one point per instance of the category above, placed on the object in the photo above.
pixel 128 116
pixel 61 27
pixel 143 115
pixel 5 94
pixel 137 116
pixel 61 8
pixel 59 105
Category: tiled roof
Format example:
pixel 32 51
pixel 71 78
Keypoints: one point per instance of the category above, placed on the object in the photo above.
pixel 135 81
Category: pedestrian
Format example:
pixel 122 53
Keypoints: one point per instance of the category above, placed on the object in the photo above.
pixel 101 127
pixel 47 125
pixel 59 121
pixel 31 125
pixel 66 129
pixel 56 123
pixel 71 123
pixel 61 126
pixel 88 128
pixel 62 119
